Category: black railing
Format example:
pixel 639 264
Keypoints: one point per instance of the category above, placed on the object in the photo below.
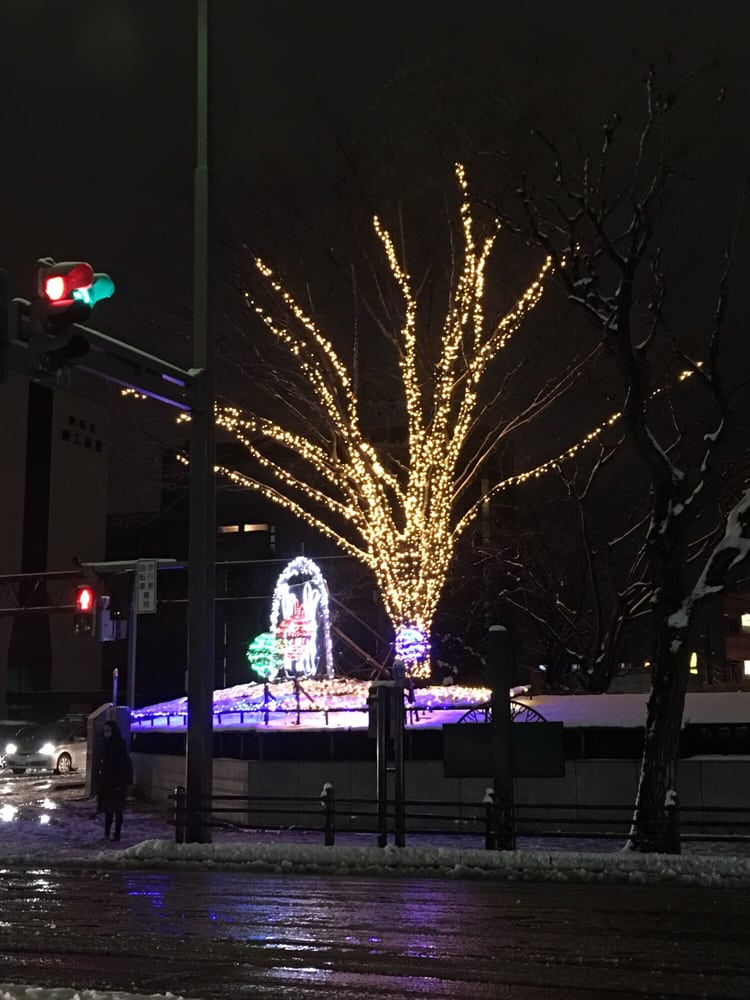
pixel 493 821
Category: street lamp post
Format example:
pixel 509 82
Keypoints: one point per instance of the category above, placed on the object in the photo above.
pixel 202 541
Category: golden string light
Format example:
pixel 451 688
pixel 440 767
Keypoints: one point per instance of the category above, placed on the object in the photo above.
pixel 405 523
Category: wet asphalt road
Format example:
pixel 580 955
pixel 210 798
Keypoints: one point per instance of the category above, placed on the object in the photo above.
pixel 224 934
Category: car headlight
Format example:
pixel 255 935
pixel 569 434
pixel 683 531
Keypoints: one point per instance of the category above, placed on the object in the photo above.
pixel 11 748
pixel 48 748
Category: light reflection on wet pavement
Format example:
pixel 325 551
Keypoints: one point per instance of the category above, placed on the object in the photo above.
pixel 219 934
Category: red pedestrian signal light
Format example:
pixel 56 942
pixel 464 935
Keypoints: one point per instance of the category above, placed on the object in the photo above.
pixel 84 599
pixel 85 610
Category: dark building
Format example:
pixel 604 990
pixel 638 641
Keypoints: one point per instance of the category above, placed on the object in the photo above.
pixel 53 449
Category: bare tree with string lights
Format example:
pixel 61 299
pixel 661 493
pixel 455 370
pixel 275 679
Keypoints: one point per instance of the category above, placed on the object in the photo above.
pixel 617 217
pixel 400 510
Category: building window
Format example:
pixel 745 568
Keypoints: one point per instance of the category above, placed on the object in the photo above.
pixel 746 668
pixel 65 434
pixel 693 663
pixel 228 529
pixel 745 621
pixel 255 527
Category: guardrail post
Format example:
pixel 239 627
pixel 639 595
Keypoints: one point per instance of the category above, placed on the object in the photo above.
pixel 180 814
pixel 501 667
pixel 672 810
pixel 490 819
pixel 328 801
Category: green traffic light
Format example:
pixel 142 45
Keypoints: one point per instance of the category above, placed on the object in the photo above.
pixel 102 288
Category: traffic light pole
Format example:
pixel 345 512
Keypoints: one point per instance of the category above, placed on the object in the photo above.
pixel 104 357
pixel 132 642
pixel 201 586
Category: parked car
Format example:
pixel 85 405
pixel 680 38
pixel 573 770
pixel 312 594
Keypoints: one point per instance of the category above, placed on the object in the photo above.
pixel 58 746
pixel 10 729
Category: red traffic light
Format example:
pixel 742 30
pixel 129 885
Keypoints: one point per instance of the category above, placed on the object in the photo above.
pixel 84 599
pixel 54 288
pixel 57 282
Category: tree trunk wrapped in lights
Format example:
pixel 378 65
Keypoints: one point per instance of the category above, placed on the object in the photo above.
pixel 400 516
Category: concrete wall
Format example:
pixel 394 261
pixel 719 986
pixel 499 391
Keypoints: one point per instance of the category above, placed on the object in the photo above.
pixel 704 784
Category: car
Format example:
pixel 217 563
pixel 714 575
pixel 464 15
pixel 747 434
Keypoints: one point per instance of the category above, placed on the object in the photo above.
pixel 10 729
pixel 58 746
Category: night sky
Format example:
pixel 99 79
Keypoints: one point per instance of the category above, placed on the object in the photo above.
pixel 321 113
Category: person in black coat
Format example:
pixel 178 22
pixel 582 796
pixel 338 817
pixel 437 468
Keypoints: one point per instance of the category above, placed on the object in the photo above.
pixel 115 774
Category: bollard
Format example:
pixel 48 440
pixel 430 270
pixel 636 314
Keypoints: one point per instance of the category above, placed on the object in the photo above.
pixel 328 801
pixel 180 814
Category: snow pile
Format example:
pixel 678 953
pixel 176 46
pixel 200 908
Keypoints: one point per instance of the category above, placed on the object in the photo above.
pixel 12 992
pixel 533 866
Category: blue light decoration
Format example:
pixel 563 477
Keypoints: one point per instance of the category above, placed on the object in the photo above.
pixel 411 645
pixel 266 655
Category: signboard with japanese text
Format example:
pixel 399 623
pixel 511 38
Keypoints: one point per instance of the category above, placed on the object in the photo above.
pixel 145 581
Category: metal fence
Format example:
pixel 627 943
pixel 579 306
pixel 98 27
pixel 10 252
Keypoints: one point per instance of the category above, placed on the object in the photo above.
pixel 498 824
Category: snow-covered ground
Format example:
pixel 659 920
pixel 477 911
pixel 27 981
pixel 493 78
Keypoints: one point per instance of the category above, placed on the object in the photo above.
pixel 9 991
pixel 48 821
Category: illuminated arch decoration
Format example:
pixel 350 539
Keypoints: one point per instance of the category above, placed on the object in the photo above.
pixel 300 619
pixel 265 655
pixel 411 645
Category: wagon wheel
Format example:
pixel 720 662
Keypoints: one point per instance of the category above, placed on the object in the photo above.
pixel 480 713
pixel 519 712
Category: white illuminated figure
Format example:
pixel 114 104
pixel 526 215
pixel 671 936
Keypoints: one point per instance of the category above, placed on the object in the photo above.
pixel 302 621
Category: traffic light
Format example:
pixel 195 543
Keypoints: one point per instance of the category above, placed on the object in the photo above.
pixel 84 616
pixel 66 293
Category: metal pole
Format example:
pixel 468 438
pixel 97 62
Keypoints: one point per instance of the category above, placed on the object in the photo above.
pixel 4 322
pixel 499 662
pixel 397 721
pixel 381 754
pixel 201 587
pixel 133 640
